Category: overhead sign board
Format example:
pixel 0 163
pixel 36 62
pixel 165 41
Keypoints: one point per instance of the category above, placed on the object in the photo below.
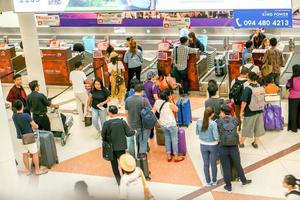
pixel 263 18
pixel 188 5
pixel 44 6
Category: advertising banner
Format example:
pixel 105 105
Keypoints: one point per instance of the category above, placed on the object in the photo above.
pixel 47 20
pixel 109 18
pixel 177 22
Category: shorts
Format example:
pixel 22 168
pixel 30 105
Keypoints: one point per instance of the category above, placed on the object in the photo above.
pixel 253 126
pixel 31 148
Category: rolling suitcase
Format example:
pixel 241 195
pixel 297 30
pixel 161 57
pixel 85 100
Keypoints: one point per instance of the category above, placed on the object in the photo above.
pixel 48 149
pixel 184 114
pixel 141 162
pixel 160 138
pixel 181 142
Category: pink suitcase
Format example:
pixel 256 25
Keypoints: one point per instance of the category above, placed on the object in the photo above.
pixel 181 142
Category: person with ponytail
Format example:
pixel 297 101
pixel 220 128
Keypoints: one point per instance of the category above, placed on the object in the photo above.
pixel 292 184
pixel 207 130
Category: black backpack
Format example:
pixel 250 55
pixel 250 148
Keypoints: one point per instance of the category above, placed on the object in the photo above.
pixel 236 91
pixel 293 192
pixel 228 132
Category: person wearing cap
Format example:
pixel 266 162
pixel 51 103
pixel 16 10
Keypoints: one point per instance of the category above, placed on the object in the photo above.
pixel 37 104
pixel 180 56
pixel 230 155
pixel 116 70
pixel 17 92
pixel 115 131
pixel 78 79
pixel 133 184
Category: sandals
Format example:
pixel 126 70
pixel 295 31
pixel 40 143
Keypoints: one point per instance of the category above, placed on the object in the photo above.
pixel 41 172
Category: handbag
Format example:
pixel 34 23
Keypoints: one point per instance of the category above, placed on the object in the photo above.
pixel 266 70
pixel 28 138
pixel 119 78
pixel 88 120
pixel 174 70
pixel 107 149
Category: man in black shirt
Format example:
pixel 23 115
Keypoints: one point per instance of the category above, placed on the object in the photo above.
pixel 37 104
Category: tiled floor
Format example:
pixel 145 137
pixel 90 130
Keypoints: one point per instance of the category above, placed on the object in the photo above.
pixel 80 159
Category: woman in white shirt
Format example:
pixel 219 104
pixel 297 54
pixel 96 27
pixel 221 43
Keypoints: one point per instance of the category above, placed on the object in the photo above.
pixel 116 70
pixel 166 108
pixel 292 185
pixel 133 184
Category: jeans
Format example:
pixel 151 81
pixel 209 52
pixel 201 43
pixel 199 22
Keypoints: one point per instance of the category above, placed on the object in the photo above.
pixel 81 99
pixel 171 138
pixel 131 71
pixel 142 138
pixel 96 115
pixel 183 76
pixel 115 165
pixel 228 154
pixel 210 157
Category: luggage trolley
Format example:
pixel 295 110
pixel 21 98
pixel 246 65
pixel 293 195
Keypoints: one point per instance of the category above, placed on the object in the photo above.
pixel 58 127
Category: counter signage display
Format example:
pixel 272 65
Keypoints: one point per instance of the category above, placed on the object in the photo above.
pixel 177 22
pixel 109 18
pixel 263 18
pixel 47 20
pixel 81 5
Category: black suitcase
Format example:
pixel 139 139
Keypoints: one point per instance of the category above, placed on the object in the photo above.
pixel 48 149
pixel 141 162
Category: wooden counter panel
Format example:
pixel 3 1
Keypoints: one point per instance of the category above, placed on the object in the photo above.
pixel 192 72
pixel 56 72
pixel 56 54
pixel 165 65
pixel 5 68
pixel 7 54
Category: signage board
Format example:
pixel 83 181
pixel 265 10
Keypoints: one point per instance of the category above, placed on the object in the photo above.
pixel 109 18
pixel 263 18
pixel 47 20
pixel 177 22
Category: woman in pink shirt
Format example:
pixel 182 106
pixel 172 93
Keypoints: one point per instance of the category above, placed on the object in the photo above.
pixel 293 85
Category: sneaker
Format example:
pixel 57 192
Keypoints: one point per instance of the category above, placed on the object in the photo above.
pixel 247 182
pixel 255 146
pixel 228 188
pixel 207 185
pixel 214 183
pixel 241 145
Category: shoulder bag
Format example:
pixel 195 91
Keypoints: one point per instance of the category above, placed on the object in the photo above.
pixel 119 78
pixel 107 149
pixel 174 70
pixel 267 68
pixel 27 138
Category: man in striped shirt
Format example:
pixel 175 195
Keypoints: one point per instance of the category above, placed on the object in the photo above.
pixel 180 57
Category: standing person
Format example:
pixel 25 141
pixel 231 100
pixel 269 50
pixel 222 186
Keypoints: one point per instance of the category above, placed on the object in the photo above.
pixel 257 38
pixel 270 86
pixel 252 111
pixel 133 185
pixel 166 82
pixel 250 64
pixel 236 92
pixel 228 148
pixel 133 107
pixel 134 58
pixel 293 85
pixel 214 100
pixel 180 57
pixel 25 125
pixel 97 103
pixel 116 70
pixel 78 79
pixel 207 130
pixel 37 104
pixel 17 92
pixel 115 131
pixel 265 44
pixel 274 57
pixel 292 184
pixel 166 106
pixel 248 49
pixel 139 47
pixel 195 43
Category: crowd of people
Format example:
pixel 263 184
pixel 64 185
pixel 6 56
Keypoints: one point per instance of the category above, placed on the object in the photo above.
pixel 218 130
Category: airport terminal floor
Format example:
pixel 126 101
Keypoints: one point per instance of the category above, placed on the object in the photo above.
pixel 80 159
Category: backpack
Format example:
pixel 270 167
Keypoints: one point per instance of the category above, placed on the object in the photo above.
pixel 257 102
pixel 129 93
pixel 236 91
pixel 249 69
pixel 147 116
pixel 228 132
pixel 294 192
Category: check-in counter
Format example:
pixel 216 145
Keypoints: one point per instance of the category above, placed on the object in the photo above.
pixel 100 61
pixel 10 61
pixel 57 65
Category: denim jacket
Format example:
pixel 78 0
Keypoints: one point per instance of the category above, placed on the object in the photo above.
pixel 211 134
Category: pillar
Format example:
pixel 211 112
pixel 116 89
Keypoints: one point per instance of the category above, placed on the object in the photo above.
pixel 8 169
pixel 31 48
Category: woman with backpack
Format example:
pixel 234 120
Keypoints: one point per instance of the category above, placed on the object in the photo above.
pixel 165 82
pixel 207 130
pixel 165 107
pixel 292 184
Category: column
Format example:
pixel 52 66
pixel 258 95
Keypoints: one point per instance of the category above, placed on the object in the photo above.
pixel 8 169
pixel 31 48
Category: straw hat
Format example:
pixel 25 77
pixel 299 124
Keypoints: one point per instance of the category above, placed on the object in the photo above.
pixel 127 162
pixel 113 54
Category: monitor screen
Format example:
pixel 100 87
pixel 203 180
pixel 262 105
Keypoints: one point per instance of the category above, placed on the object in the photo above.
pixel 82 5
pixel 192 5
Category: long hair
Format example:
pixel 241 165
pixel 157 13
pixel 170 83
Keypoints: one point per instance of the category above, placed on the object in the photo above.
pixel 101 83
pixel 161 74
pixel 209 111
pixel 193 36
pixel 296 73
pixel 132 46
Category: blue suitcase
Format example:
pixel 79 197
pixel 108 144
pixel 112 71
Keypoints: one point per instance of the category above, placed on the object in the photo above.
pixel 184 114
